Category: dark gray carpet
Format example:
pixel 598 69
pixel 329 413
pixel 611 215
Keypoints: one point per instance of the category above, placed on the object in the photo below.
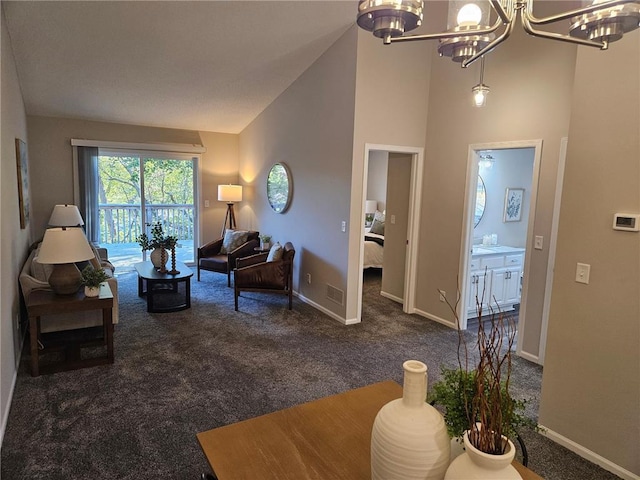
pixel 181 373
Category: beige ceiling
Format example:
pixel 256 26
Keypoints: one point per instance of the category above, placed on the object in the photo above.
pixel 207 65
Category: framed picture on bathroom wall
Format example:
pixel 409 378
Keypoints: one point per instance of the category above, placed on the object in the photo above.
pixel 513 205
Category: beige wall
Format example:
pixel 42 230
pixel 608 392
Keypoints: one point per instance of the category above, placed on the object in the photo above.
pixel 530 99
pixel 591 381
pixel 391 109
pixel 220 165
pixel 14 242
pixel 309 127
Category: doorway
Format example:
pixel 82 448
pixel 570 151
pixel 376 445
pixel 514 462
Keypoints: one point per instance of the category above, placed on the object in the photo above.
pixel 396 191
pixel 499 233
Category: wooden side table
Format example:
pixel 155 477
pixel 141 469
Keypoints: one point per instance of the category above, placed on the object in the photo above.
pixel 42 302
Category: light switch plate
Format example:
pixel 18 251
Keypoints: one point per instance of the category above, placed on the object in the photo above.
pixel 582 273
pixel 537 244
pixel 206 204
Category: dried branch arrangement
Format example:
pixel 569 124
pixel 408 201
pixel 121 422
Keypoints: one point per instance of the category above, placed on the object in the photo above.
pixel 477 399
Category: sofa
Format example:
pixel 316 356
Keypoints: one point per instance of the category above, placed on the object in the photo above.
pixel 34 276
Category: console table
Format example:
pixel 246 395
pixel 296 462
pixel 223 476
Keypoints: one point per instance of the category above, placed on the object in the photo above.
pixel 327 438
pixel 42 302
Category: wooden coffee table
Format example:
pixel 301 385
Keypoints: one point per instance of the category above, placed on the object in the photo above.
pixel 327 438
pixel 163 290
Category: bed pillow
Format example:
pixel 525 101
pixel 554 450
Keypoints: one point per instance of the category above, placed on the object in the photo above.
pixel 377 227
pixel 379 216
pixel 233 239
pixel 275 253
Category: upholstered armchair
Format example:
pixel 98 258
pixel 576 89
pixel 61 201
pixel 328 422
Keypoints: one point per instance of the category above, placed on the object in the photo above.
pixel 221 254
pixel 266 273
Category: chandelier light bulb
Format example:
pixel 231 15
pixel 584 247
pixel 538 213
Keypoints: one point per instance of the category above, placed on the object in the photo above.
pixel 480 93
pixel 469 16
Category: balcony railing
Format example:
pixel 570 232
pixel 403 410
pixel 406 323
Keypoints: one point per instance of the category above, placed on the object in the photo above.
pixel 121 223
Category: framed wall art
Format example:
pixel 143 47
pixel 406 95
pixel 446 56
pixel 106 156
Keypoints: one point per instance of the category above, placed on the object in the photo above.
pixel 513 204
pixel 23 182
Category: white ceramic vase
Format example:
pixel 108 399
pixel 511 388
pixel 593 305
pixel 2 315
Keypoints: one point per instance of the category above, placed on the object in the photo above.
pixel 476 465
pixel 409 440
pixel 158 258
pixel 91 291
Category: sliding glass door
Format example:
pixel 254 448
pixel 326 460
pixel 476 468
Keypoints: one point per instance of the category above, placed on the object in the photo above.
pixel 136 189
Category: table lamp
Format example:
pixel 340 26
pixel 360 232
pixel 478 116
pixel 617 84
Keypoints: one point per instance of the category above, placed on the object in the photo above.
pixel 65 216
pixel 229 194
pixel 370 207
pixel 62 247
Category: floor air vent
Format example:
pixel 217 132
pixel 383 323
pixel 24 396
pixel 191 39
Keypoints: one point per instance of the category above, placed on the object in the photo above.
pixel 335 294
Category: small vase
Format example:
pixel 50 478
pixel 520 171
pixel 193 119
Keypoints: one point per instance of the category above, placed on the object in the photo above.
pixel 474 464
pixel 409 438
pixel 91 291
pixel 158 258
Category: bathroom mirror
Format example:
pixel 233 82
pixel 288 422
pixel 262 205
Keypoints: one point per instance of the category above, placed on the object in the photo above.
pixel 481 198
pixel 279 187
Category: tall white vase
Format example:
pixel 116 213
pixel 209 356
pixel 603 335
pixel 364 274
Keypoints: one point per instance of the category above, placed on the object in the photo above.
pixel 409 440
pixel 476 465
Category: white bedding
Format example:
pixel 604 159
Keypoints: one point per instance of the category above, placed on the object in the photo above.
pixel 373 253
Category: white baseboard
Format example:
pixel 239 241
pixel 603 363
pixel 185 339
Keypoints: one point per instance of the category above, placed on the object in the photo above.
pixel 5 414
pixel 530 357
pixel 435 318
pixel 348 321
pixel 391 297
pixel 589 455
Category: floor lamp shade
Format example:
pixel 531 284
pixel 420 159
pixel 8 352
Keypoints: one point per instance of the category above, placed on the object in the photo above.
pixel 230 193
pixel 65 216
pixel 62 247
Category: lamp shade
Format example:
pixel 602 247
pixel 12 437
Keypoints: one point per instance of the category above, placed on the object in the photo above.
pixel 65 216
pixel 370 206
pixel 64 245
pixel 230 193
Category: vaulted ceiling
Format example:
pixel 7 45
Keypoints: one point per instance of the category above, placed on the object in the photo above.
pixel 204 65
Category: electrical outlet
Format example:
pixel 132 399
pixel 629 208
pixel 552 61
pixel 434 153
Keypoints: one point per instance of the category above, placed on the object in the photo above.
pixel 443 295
pixel 344 226
pixel 309 278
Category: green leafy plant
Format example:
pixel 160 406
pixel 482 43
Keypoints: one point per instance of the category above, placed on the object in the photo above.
pixel 158 238
pixel 456 393
pixel 93 277
pixel 265 238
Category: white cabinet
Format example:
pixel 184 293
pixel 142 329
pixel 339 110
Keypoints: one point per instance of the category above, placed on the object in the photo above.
pixel 497 272
pixel 479 284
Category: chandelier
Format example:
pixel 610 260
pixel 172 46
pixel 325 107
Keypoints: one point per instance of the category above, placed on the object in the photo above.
pixel 470 33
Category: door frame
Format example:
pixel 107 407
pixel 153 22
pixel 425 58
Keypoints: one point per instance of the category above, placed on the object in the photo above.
pixel 467 225
pixel 415 200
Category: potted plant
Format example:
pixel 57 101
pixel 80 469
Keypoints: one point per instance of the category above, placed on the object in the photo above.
pixel 265 242
pixel 479 410
pixel 158 243
pixel 92 278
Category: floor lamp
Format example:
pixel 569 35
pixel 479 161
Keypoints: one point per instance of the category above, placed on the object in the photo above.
pixel 229 194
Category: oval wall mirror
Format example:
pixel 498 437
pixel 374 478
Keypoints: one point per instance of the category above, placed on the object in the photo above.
pixel 279 187
pixel 481 199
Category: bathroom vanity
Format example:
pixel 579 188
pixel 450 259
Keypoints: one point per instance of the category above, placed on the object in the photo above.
pixel 495 270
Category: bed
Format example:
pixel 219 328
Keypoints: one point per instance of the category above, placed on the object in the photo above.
pixel 373 250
